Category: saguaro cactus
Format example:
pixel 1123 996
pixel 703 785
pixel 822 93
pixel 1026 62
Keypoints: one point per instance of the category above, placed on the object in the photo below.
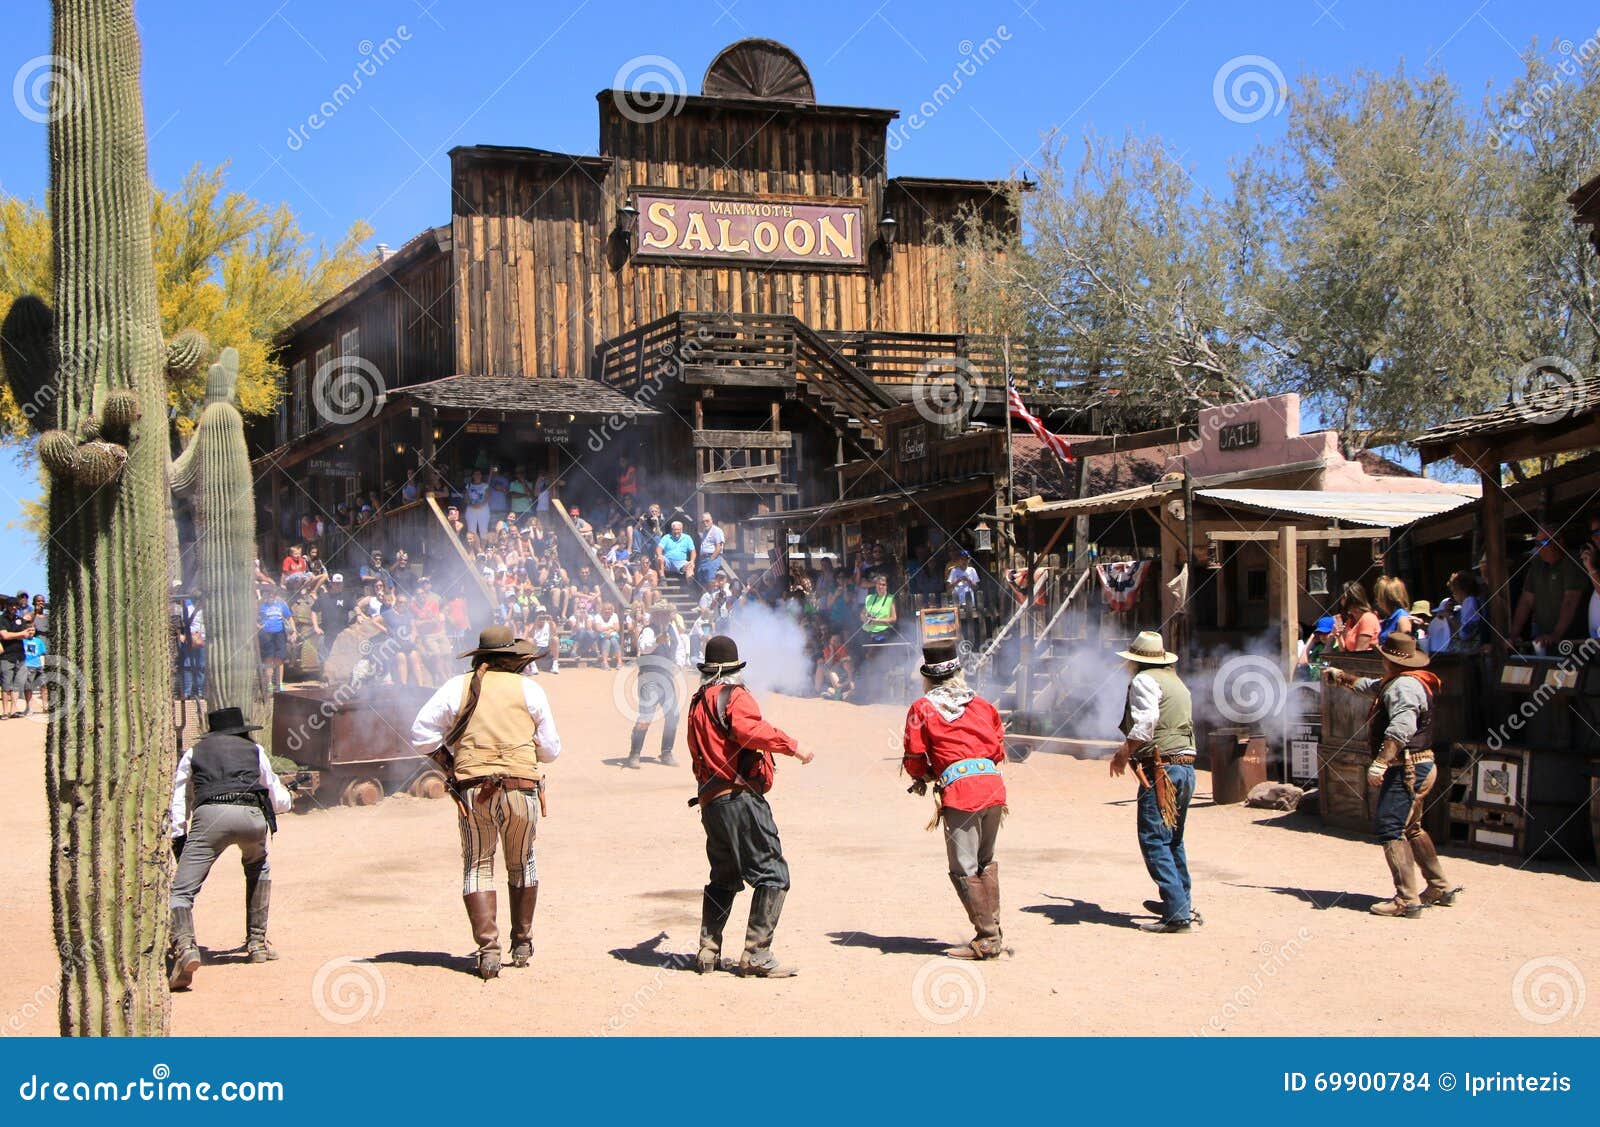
pixel 108 764
pixel 214 471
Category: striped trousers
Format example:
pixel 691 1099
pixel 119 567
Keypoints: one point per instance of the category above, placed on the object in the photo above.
pixel 510 819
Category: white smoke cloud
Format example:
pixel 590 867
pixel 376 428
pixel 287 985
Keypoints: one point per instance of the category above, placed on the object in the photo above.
pixel 775 646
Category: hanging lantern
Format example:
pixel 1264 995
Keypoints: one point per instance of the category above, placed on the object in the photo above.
pixel 982 537
pixel 1316 580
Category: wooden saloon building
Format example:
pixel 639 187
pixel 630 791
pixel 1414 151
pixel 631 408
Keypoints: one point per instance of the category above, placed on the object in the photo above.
pixel 732 292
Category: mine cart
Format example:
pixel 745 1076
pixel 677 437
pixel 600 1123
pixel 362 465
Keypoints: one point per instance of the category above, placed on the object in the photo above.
pixel 357 745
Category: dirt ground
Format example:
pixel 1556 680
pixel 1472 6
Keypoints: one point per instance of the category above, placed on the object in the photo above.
pixel 368 917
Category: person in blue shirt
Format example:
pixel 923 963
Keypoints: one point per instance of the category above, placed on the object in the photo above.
pixel 676 551
pixel 275 628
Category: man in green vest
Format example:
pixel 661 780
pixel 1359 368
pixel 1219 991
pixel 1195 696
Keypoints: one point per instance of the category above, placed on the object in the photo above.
pixel 1158 738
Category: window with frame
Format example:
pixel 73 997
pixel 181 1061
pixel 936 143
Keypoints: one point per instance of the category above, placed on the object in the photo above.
pixel 324 371
pixel 298 407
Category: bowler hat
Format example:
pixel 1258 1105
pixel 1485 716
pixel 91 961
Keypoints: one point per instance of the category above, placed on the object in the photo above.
pixel 228 722
pixel 722 656
pixel 941 660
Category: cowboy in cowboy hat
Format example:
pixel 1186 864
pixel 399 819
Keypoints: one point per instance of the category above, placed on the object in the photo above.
pixel 236 798
pixel 1401 732
pixel 731 747
pixel 491 731
pixel 955 740
pixel 1158 737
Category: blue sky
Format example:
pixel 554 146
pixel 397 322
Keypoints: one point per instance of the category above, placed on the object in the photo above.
pixel 237 81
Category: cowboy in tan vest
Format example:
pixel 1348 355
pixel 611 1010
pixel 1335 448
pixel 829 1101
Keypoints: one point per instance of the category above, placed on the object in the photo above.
pixel 1400 728
pixel 1158 737
pixel 490 730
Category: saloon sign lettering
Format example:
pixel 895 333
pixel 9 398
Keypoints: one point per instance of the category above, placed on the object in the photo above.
pixel 754 230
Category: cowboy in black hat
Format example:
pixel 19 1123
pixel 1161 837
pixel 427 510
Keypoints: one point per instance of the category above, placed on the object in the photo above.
pixel 1158 737
pixel 491 730
pixel 1400 727
pixel 236 798
pixel 955 740
pixel 731 747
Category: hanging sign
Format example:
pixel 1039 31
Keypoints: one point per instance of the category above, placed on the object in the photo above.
pixel 753 228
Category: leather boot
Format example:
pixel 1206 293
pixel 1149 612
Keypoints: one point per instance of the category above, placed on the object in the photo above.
pixel 635 748
pixel 523 902
pixel 766 905
pixel 666 750
pixel 184 958
pixel 257 903
pixel 1402 867
pixel 716 905
pixel 983 909
pixel 1440 893
pixel 481 911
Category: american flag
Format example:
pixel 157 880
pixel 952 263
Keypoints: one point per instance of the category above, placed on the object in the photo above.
pixel 1019 410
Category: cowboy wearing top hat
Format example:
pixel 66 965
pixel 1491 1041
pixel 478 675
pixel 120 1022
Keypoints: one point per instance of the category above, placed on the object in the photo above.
pixel 1158 737
pixel 1400 728
pixel 731 747
pixel 954 739
pixel 491 730
pixel 236 798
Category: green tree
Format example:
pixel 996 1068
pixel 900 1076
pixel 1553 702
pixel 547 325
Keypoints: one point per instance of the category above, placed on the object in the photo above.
pixel 1394 271
pixel 230 266
pixel 1123 280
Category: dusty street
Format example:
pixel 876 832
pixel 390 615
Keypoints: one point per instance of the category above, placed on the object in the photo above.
pixel 368 918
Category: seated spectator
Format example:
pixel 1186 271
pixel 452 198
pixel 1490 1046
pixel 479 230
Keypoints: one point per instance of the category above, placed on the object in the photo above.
pixel 608 629
pixel 834 677
pixel 962 580
pixel 294 563
pixel 547 639
pixel 676 553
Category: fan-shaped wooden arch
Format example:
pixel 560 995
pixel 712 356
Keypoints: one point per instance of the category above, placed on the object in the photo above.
pixel 759 68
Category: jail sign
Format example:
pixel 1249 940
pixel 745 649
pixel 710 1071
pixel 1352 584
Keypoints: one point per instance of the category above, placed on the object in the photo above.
pixel 750 228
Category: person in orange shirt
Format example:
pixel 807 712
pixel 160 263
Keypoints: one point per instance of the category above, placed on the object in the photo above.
pixel 1360 624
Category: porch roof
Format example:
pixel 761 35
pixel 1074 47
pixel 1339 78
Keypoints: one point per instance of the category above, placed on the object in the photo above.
pixel 590 400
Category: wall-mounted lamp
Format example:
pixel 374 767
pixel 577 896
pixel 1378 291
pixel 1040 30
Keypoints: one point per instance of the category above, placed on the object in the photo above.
pixel 628 222
pixel 982 537
pixel 888 230
pixel 399 449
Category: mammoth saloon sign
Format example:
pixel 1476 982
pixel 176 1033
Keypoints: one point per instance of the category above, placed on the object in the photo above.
pixel 750 229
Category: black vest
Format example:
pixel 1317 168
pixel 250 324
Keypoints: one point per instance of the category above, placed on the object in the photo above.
pixel 224 764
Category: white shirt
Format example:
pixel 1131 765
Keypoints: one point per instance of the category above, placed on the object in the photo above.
pixel 179 812
pixel 1144 702
pixel 711 541
pixel 427 731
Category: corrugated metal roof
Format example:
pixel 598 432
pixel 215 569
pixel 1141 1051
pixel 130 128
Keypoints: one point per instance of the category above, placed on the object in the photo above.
pixel 1375 510
pixel 1121 500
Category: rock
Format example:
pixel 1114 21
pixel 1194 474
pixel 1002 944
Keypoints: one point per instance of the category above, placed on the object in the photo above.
pixel 1274 796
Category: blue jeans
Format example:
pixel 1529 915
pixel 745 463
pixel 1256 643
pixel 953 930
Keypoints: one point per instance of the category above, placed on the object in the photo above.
pixel 705 569
pixel 1163 849
pixel 191 672
pixel 610 646
pixel 1397 810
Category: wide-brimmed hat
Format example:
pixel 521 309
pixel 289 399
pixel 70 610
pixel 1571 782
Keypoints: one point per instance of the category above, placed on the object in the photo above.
pixel 228 722
pixel 498 641
pixel 941 660
pixel 1401 650
pixel 722 656
pixel 1422 608
pixel 1149 649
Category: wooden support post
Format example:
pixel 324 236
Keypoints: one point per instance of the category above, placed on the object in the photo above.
pixel 776 425
pixel 1494 551
pixel 1288 556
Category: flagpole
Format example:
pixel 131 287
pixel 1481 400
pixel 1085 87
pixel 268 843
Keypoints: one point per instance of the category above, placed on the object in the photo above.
pixel 1011 475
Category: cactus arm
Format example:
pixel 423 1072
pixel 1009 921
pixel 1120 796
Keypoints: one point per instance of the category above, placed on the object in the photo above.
pixel 184 471
pixel 25 354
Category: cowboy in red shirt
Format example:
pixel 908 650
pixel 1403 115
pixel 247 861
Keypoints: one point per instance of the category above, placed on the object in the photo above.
pixel 731 748
pixel 955 740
